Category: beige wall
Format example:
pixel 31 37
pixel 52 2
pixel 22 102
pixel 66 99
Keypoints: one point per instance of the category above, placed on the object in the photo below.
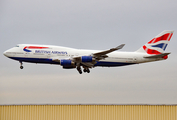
pixel 88 112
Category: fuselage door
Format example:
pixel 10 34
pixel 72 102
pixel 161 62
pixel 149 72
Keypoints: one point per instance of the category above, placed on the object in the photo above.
pixel 48 55
pixel 135 59
pixel 26 54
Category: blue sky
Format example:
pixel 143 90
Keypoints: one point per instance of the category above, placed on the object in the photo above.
pixel 93 24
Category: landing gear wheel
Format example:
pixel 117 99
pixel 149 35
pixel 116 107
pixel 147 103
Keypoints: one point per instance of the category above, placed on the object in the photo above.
pixel 85 70
pixel 79 70
pixel 21 67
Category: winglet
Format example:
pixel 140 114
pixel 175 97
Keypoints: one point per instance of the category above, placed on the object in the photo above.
pixel 109 51
pixel 118 47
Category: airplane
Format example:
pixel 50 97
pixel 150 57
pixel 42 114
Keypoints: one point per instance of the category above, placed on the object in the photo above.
pixel 70 58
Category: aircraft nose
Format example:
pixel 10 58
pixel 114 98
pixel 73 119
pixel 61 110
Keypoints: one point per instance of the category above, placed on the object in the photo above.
pixel 9 52
pixel 5 53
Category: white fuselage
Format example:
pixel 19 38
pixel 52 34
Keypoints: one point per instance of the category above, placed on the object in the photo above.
pixel 48 54
pixel 70 58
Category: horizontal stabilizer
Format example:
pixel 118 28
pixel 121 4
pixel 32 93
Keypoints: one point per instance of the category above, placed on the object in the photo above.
pixel 157 56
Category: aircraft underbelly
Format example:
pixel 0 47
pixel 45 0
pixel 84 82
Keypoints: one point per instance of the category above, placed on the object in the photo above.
pixel 35 60
pixel 49 61
pixel 111 64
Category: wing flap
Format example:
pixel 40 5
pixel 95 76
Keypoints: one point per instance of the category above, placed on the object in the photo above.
pixel 88 64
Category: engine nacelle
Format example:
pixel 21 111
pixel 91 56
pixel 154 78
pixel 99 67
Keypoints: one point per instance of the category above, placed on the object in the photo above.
pixel 67 62
pixel 69 67
pixel 87 58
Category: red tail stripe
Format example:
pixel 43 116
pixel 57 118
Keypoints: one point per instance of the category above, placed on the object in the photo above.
pixel 151 41
pixel 144 47
pixel 163 37
pixel 170 37
pixel 150 51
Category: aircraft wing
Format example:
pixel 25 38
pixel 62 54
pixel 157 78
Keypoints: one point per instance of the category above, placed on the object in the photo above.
pixel 93 57
pixel 102 53
pixel 96 56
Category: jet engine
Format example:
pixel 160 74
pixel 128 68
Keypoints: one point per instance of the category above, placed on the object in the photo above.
pixel 66 63
pixel 87 59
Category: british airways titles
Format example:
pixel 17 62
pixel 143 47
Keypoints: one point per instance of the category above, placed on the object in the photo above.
pixel 50 52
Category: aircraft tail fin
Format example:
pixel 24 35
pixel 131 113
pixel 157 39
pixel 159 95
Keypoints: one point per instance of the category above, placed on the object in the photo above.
pixel 158 44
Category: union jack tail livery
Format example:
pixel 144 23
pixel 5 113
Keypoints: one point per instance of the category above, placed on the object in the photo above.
pixel 158 44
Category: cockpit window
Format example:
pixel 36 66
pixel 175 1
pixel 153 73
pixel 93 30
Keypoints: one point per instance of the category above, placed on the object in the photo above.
pixel 17 46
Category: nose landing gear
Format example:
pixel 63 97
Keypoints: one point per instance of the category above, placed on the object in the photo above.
pixel 21 65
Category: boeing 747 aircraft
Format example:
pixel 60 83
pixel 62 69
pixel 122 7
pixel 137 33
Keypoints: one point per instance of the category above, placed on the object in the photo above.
pixel 70 58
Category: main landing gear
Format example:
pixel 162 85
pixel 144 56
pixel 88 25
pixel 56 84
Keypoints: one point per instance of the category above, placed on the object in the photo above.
pixel 21 65
pixel 80 70
pixel 86 70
